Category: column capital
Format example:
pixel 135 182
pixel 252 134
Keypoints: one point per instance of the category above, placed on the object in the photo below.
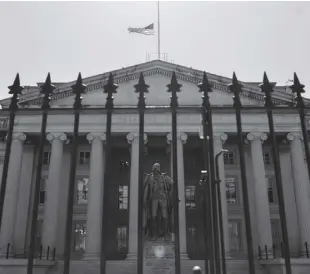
pixel 134 136
pixel 19 136
pixel 182 136
pixel 95 135
pixel 253 136
pixel 220 136
pixel 294 136
pixel 56 136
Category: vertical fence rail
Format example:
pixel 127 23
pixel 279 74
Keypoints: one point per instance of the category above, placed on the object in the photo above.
pixel 141 88
pixel 297 88
pixel 206 210
pixel 206 89
pixel 15 90
pixel 208 205
pixel 109 89
pixel 174 87
pixel 235 87
pixel 46 89
pixel 267 89
pixel 77 89
pixel 220 211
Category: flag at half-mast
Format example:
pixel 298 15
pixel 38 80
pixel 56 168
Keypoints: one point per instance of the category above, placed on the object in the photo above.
pixel 148 30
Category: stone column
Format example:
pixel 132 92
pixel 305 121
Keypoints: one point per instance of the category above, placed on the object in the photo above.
pixel 301 187
pixel 51 209
pixel 11 194
pixel 133 140
pixel 260 189
pixel 219 140
pixel 181 140
pixel 95 196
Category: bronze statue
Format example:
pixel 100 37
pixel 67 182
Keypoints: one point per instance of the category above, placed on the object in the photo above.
pixel 158 205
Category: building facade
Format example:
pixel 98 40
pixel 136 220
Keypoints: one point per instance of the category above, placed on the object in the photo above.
pixel 122 184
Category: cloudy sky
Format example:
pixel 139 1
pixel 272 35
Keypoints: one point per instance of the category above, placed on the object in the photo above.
pixel 65 38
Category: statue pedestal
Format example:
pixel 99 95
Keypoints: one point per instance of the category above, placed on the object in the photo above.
pixel 159 257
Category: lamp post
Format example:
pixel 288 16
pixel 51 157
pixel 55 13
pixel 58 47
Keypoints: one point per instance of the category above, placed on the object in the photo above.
pixel 218 188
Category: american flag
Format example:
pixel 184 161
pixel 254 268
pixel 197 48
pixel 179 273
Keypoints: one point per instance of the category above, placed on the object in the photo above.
pixel 149 30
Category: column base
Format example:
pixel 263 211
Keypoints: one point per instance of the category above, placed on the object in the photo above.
pixel 184 256
pixel 303 254
pixel 91 257
pixel 132 257
pixel 228 256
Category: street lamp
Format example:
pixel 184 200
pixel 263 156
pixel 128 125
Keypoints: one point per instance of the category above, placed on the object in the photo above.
pixel 217 182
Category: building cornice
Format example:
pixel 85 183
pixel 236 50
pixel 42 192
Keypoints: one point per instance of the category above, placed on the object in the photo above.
pixel 157 67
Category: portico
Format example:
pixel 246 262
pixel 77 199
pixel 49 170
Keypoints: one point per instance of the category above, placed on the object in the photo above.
pixel 121 188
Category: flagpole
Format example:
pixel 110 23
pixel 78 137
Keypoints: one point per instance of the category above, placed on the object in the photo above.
pixel 158 35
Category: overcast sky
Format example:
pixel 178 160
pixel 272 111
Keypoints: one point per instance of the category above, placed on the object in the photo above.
pixel 65 38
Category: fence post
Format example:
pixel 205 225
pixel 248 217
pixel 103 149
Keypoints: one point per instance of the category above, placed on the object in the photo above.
pixel 267 89
pixel 41 250
pixel 54 254
pixel 259 253
pixel 266 252
pixel 307 251
pixel 78 89
pixel 236 88
pixel 282 255
pixel 274 251
pixel 7 251
pixel 48 253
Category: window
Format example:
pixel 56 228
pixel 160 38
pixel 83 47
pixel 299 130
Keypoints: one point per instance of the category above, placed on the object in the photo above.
pixel 266 156
pixel 122 197
pixel 192 231
pixel 123 165
pixel 276 233
pixel 79 235
pixel 121 238
pixel 84 158
pixel 234 229
pixel 190 197
pixel 46 157
pixel 229 158
pixel 38 235
pixel 231 192
pixel 82 190
pixel 42 190
pixel 271 192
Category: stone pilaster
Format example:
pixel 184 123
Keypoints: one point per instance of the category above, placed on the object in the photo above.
pixel 181 140
pixel 11 194
pixel 51 209
pixel 133 140
pixel 263 223
pixel 301 187
pixel 219 140
pixel 95 196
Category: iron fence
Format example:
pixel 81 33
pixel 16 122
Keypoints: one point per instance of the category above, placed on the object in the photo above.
pixel 211 213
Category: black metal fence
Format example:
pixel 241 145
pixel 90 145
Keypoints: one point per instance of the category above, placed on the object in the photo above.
pixel 213 234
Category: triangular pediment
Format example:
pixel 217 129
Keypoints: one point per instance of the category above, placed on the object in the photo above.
pixel 157 75
pixel 157 95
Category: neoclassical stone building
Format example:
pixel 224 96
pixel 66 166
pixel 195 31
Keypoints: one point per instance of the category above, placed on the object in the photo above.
pixel 122 185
